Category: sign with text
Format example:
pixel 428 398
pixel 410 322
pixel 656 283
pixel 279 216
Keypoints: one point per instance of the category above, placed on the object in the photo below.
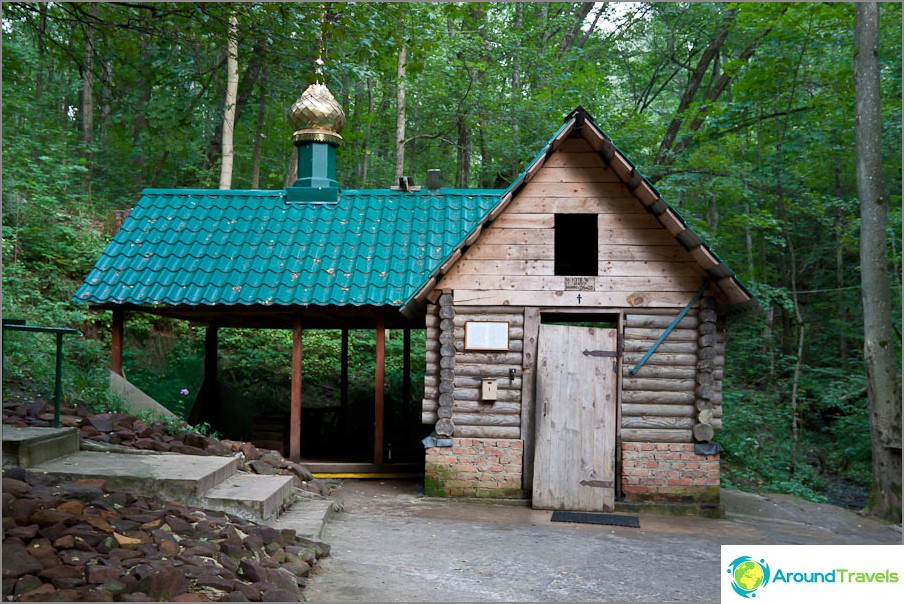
pixel 486 335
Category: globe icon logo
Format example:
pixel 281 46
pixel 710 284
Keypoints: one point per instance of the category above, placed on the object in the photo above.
pixel 748 575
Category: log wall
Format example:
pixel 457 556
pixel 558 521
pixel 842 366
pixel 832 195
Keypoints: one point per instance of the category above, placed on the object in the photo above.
pixel 473 417
pixel 663 402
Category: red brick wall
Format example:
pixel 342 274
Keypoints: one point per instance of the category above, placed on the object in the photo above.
pixel 669 472
pixel 475 467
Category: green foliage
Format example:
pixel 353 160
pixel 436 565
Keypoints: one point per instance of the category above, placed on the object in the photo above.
pixel 763 168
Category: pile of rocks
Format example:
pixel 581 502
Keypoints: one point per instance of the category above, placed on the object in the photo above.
pixel 76 541
pixel 115 430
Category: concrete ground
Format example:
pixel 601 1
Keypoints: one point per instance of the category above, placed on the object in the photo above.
pixel 390 545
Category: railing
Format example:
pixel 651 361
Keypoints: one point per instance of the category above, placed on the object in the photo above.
pixel 19 325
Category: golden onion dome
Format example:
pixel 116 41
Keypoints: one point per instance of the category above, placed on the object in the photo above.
pixel 317 116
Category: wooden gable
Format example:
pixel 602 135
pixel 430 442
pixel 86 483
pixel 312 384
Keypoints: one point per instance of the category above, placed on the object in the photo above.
pixel 512 262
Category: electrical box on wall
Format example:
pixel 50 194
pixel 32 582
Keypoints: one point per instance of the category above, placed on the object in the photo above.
pixel 488 389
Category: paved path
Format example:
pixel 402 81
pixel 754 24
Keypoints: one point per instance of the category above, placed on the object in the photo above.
pixel 389 545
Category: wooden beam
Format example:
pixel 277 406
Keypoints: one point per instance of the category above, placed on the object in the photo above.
pixel 116 345
pixel 378 390
pixel 343 384
pixel 211 401
pixel 406 368
pixel 295 413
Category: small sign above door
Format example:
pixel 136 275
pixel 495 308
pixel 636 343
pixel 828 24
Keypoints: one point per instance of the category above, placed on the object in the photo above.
pixel 486 335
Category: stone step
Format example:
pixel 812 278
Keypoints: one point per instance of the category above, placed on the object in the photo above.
pixel 307 517
pixel 26 446
pixel 252 496
pixel 179 477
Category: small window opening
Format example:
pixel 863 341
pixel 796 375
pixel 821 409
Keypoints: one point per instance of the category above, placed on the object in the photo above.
pixel 576 245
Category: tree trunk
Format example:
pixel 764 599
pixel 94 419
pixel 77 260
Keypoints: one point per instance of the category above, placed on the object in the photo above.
pixel 232 88
pixel 878 347
pixel 400 104
pixel 463 169
pixel 663 155
pixel 259 133
pixel 88 99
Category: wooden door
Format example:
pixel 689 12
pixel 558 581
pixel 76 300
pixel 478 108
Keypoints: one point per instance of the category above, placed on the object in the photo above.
pixel 574 458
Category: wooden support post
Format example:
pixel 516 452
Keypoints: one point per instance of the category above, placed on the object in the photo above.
pixel 343 385
pixel 116 345
pixel 378 390
pixel 406 369
pixel 211 402
pixel 295 413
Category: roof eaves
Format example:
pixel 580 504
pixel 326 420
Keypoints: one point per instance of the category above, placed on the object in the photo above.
pixel 668 216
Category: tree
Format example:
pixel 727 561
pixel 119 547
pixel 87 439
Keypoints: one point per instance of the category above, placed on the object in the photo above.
pixel 878 347
pixel 232 87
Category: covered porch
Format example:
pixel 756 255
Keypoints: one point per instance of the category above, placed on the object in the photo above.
pixel 379 460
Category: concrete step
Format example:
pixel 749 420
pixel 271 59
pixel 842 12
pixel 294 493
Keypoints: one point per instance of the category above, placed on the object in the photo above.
pixel 307 517
pixel 28 446
pixel 178 477
pixel 252 496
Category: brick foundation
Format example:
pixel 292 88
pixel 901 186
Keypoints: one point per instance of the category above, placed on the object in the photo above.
pixel 475 467
pixel 668 472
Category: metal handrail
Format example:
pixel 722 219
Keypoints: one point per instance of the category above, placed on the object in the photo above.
pixel 19 325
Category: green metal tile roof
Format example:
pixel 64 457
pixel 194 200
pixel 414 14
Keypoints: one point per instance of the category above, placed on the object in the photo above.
pixel 217 247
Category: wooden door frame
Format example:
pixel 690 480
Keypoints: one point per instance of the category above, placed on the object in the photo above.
pixel 531 399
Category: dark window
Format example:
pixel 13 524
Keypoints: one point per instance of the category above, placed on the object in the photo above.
pixel 576 247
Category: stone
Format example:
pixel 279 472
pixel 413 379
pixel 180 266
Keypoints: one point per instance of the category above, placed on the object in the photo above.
pixel 25 533
pixel 47 517
pixel 252 593
pixel 62 572
pixel 72 506
pixel 280 595
pixel 27 583
pixel 114 587
pixel 39 594
pixel 184 449
pixel 42 551
pixel 215 582
pixel 136 596
pixel 177 524
pixel 74 557
pixel 251 570
pixel 15 473
pixel 193 439
pixel 98 594
pixel 169 548
pixel 300 471
pixel 299 569
pixel 152 445
pixel 18 488
pixel 54 531
pixel 98 574
pixel 21 510
pixel 102 422
pixel 261 466
pixel 165 583
pixel 250 452
pixel 65 542
pixel 236 596
pixel 190 598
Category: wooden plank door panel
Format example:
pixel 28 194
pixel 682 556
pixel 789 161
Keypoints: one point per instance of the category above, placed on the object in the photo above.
pixel 574 460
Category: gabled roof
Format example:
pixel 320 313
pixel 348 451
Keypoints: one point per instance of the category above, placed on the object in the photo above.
pixel 736 297
pixel 230 247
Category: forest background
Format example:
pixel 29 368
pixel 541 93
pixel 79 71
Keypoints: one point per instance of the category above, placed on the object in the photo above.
pixel 743 115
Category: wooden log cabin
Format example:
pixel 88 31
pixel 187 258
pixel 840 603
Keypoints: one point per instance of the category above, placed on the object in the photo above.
pixel 574 323
pixel 575 341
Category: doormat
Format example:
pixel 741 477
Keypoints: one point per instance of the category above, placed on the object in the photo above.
pixel 591 518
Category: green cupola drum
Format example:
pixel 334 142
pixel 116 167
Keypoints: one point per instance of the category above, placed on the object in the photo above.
pixel 317 118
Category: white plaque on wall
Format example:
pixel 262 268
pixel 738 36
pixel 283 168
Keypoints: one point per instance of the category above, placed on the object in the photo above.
pixel 486 335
